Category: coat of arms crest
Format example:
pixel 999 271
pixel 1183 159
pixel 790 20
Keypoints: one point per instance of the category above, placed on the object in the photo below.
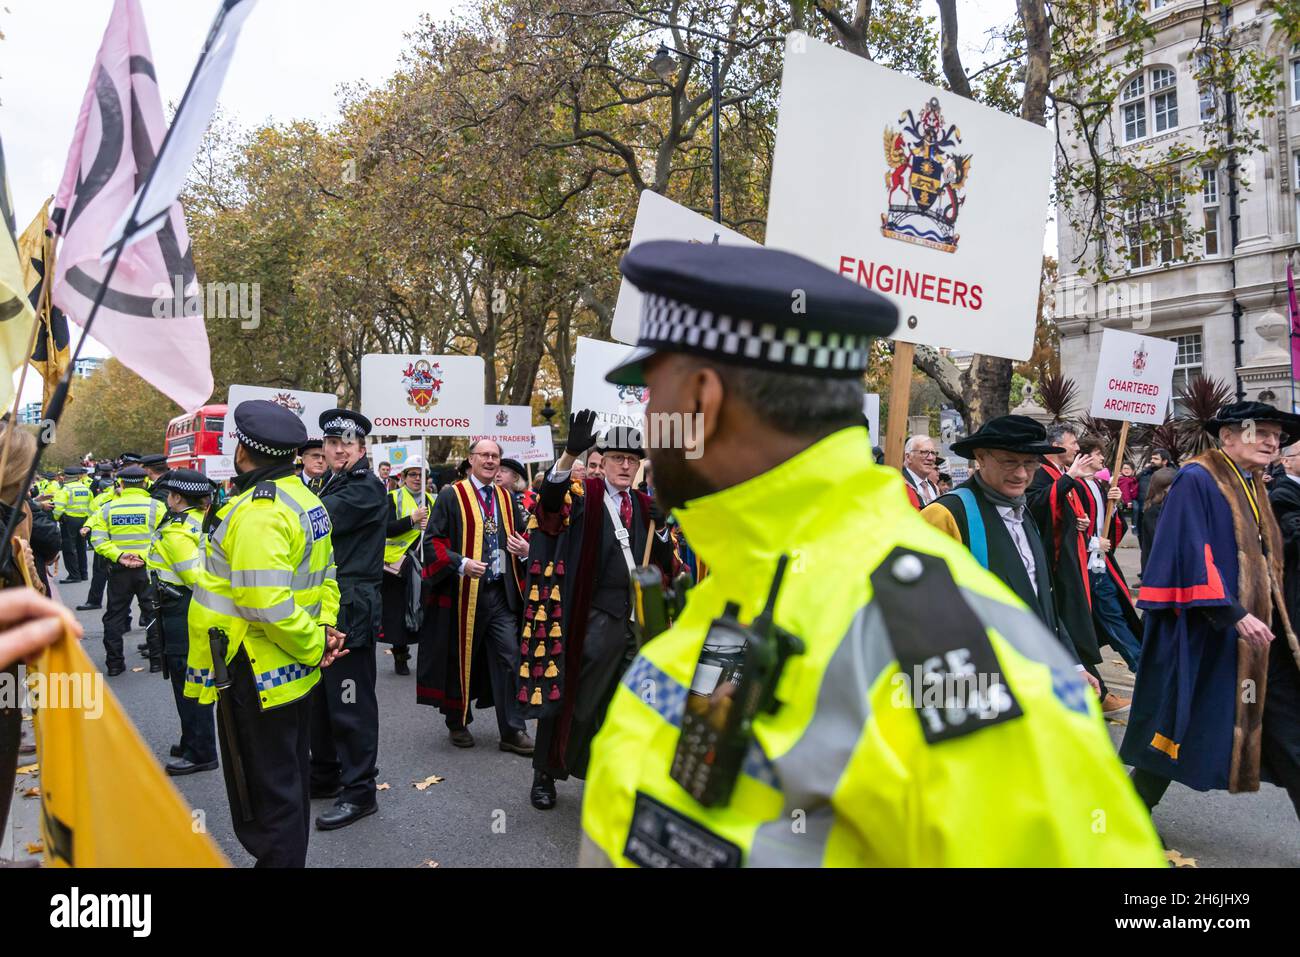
pixel 422 381
pixel 502 419
pixel 291 403
pixel 930 177
pixel 1140 359
pixel 633 394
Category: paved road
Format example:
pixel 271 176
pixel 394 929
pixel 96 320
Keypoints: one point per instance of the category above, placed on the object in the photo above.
pixel 479 815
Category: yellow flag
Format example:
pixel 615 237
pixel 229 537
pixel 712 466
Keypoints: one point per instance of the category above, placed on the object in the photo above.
pixel 105 802
pixel 51 355
pixel 16 314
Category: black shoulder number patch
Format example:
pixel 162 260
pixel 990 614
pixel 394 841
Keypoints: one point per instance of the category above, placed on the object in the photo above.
pixel 950 670
pixel 661 837
pixel 264 490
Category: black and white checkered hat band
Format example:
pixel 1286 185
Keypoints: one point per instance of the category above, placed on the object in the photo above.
pixel 262 447
pixel 668 324
pixel 189 488
pixel 341 426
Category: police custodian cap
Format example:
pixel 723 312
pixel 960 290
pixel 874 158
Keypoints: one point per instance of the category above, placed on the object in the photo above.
pixel 132 475
pixel 186 482
pixel 344 422
pixel 268 428
pixel 153 460
pixel 750 306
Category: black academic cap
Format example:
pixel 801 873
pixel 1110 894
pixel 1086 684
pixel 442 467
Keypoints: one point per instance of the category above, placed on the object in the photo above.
pixel 1011 433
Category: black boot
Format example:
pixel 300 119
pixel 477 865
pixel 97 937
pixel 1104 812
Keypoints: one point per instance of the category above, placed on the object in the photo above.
pixel 542 793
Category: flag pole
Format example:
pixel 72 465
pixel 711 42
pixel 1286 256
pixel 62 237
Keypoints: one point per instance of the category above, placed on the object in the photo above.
pixel 57 401
pixel 1290 322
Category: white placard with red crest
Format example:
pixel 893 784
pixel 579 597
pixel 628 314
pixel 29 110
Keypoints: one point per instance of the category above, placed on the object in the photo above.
pixel 1134 377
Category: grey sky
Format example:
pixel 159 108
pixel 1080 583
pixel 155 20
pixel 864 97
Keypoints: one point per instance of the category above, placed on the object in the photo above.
pixel 292 57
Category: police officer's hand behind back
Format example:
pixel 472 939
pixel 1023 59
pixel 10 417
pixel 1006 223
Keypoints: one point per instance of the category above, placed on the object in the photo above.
pixel 582 432
pixel 333 646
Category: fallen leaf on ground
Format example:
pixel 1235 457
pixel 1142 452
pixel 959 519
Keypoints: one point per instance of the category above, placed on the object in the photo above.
pixel 32 792
pixel 431 779
pixel 430 864
pixel 388 651
pixel 382 787
pixel 35 847
pixel 138 669
pixel 1177 859
pixel 28 769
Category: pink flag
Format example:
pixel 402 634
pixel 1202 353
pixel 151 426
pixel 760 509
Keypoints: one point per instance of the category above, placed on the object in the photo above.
pixel 151 318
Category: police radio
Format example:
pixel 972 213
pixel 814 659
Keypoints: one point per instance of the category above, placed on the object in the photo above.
pixel 735 679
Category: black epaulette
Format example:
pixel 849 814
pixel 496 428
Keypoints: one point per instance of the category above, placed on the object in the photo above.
pixel 951 671
pixel 264 490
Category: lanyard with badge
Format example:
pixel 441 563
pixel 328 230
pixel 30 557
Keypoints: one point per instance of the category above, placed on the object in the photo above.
pixel 497 563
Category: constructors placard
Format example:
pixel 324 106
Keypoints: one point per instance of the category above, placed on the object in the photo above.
pixel 1134 377
pixel 928 198
pixel 422 395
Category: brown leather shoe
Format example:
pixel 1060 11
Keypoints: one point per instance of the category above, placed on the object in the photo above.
pixel 519 742
pixel 1112 706
pixel 462 738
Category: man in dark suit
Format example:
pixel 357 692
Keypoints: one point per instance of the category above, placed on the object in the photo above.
pixel 577 621
pixel 990 516
pixel 469 640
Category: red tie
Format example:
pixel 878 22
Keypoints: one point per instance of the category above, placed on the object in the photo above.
pixel 625 510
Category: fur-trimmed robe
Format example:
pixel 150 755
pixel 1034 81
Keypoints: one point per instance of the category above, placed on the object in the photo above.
pixel 1199 701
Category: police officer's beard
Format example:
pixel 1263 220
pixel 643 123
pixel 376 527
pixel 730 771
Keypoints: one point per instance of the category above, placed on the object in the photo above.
pixel 676 481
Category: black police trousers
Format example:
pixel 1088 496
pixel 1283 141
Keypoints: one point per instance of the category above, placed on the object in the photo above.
pixel 98 579
pixel 274 756
pixel 198 732
pixel 345 728
pixel 74 547
pixel 123 585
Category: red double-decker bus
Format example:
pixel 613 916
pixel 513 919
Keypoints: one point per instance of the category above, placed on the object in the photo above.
pixel 194 436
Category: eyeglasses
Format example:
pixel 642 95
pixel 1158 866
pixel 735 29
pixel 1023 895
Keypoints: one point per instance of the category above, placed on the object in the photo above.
pixel 490 456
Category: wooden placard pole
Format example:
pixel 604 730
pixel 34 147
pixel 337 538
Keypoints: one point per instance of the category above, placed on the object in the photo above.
pixel 900 396
pixel 1114 479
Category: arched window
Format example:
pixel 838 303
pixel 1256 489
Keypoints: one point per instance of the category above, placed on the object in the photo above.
pixel 1149 102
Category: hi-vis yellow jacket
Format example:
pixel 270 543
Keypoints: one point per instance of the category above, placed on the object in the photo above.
pixel 125 524
pixel 269 580
pixel 404 502
pixel 855 769
pixel 73 499
pixel 176 552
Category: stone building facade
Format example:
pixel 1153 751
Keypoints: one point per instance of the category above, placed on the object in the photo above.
pixel 1226 308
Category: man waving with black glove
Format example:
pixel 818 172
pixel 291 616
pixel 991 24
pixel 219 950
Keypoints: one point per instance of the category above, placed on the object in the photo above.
pixel 577 617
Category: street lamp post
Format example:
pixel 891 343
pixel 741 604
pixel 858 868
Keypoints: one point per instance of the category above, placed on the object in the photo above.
pixel 665 66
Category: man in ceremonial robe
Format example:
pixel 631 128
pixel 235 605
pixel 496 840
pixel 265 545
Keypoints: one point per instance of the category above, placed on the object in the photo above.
pixel 1114 617
pixel 469 639
pixel 989 514
pixel 1056 500
pixel 577 637
pixel 1217 700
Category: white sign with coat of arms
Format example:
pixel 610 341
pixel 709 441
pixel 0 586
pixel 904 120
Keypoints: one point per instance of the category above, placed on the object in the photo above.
pixel 1135 376
pixel 422 395
pixel 613 404
pixel 931 199
pixel 510 426
pixel 542 448
pixel 308 406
